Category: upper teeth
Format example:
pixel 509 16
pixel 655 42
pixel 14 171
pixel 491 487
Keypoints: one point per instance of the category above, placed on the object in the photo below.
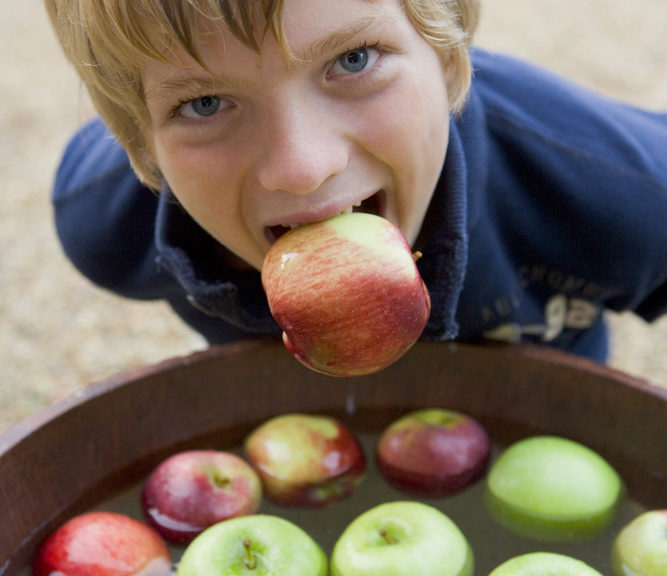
pixel 347 210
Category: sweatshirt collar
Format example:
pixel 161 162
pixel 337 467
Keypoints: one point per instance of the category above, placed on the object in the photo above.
pixel 188 252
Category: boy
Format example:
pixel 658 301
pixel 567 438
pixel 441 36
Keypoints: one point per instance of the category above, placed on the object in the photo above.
pixel 535 204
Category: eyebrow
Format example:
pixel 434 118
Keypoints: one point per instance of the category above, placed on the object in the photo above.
pixel 336 39
pixel 202 82
pixel 186 83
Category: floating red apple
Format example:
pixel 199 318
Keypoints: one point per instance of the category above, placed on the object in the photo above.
pixel 103 544
pixel 306 460
pixel 347 294
pixel 195 489
pixel 433 452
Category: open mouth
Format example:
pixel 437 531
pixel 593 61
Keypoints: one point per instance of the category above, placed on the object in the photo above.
pixel 371 205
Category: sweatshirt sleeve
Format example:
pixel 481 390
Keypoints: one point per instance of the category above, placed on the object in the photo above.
pixel 580 184
pixel 105 218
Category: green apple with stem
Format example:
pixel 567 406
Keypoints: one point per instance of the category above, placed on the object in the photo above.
pixel 402 538
pixel 255 545
pixel 550 488
pixel 640 548
pixel 544 564
pixel 347 293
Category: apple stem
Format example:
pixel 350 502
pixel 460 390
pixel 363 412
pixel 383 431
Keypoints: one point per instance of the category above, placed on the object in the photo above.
pixel 217 479
pixel 388 539
pixel 250 560
pixel 221 481
pixel 416 255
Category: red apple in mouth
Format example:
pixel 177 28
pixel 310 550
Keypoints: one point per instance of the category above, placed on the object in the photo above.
pixel 347 293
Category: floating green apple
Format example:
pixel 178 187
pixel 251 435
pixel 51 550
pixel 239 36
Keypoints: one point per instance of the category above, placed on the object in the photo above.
pixel 260 545
pixel 640 548
pixel 544 564
pixel 552 489
pixel 402 539
pixel 347 294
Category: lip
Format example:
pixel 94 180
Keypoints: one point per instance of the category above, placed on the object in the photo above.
pixel 373 203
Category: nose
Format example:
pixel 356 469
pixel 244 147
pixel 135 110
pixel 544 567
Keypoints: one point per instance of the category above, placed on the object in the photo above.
pixel 302 148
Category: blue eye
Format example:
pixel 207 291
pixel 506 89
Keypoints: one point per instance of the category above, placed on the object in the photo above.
pixel 201 107
pixel 354 60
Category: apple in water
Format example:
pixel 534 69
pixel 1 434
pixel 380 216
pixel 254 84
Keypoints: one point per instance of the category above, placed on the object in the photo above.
pixel 544 564
pixel 640 548
pixel 103 544
pixel 402 539
pixel 306 460
pixel 347 293
pixel 433 452
pixel 194 489
pixel 550 488
pixel 262 544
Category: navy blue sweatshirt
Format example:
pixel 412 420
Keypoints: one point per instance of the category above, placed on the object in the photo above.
pixel 551 208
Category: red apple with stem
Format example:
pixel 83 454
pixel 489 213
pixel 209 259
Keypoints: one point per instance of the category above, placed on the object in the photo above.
pixel 347 293
pixel 433 452
pixel 103 544
pixel 306 460
pixel 195 489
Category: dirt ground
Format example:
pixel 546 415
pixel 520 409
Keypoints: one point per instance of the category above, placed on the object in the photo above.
pixel 58 333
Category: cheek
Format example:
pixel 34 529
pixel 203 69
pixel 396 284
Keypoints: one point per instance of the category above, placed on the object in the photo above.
pixel 191 169
pixel 411 138
pixel 409 130
pixel 206 187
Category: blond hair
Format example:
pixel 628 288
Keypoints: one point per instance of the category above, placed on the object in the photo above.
pixel 108 40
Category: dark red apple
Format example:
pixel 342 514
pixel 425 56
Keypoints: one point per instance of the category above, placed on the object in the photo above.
pixel 103 544
pixel 433 452
pixel 306 460
pixel 195 489
pixel 347 294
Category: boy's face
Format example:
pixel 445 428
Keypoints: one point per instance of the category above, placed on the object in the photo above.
pixel 359 116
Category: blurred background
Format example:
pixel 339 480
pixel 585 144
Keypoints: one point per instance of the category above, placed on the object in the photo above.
pixel 59 333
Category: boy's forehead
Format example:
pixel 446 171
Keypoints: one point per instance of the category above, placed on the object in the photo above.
pixel 312 28
pixel 306 21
